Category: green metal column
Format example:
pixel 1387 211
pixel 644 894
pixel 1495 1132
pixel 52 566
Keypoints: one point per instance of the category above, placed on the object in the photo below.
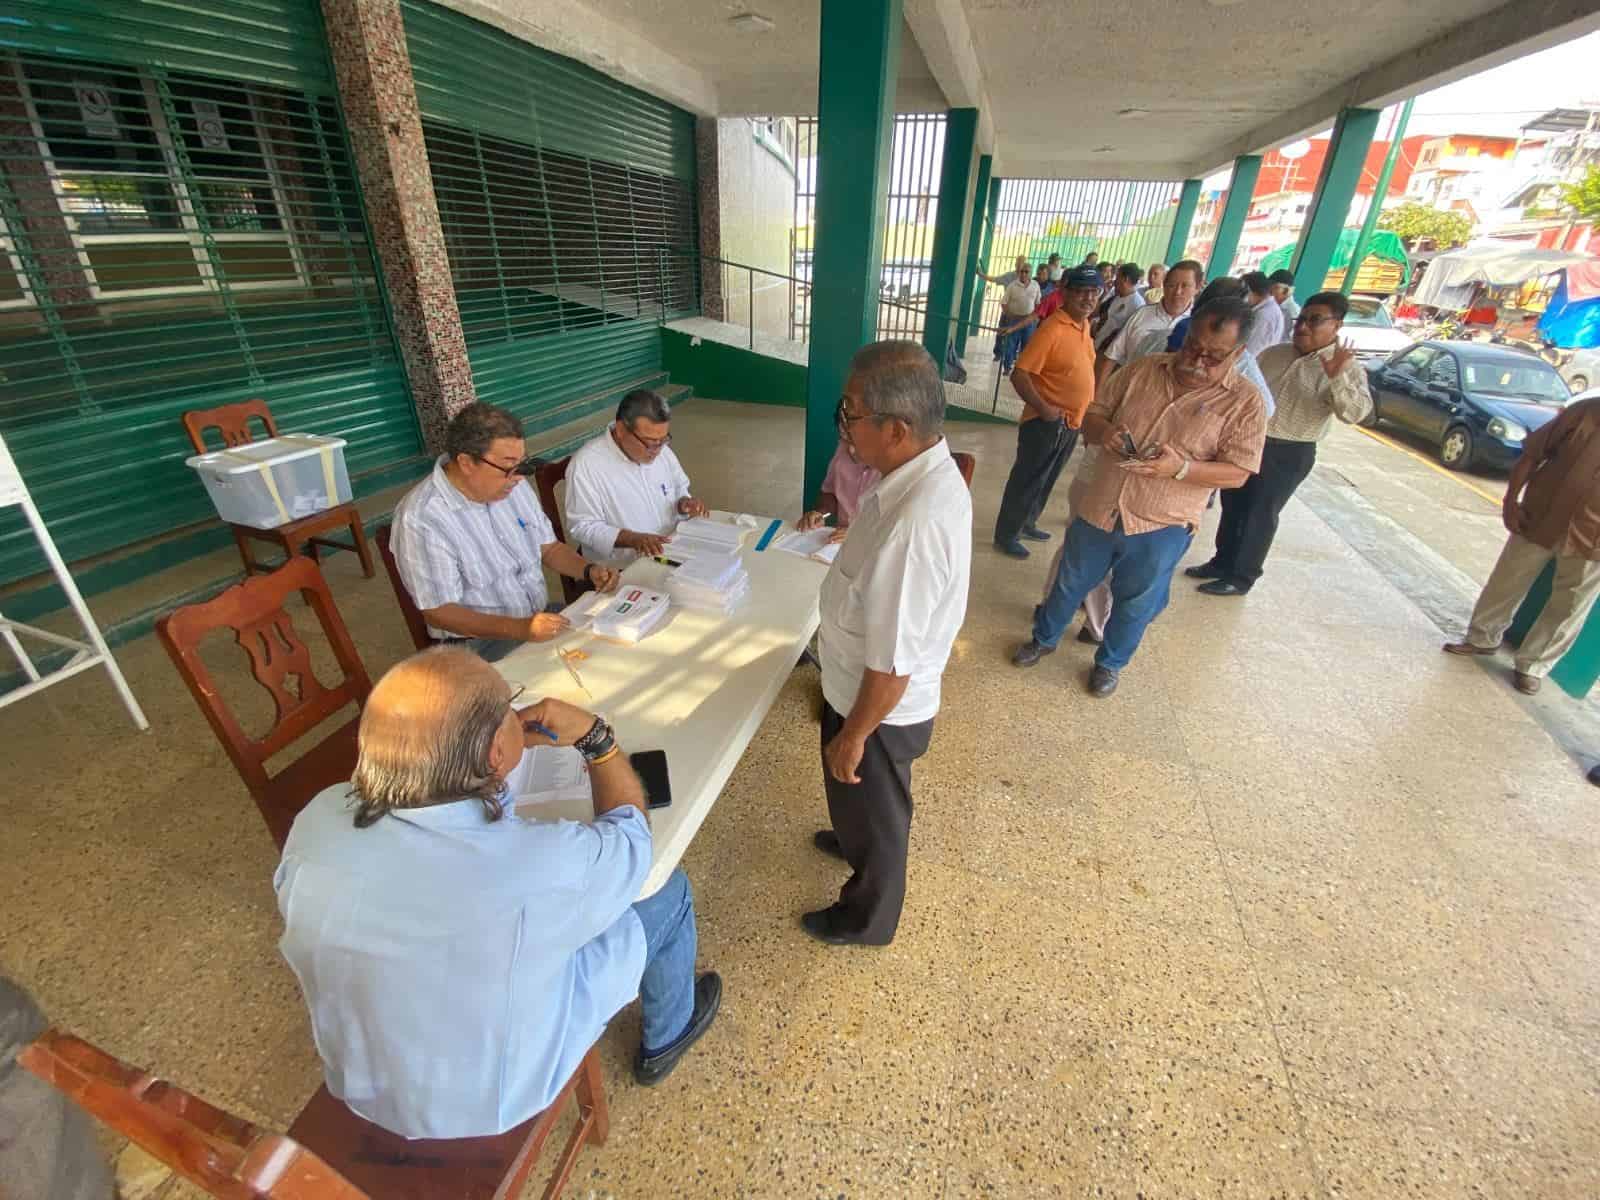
pixel 950 230
pixel 975 315
pixel 1240 188
pixel 1358 253
pixel 975 251
pixel 1330 203
pixel 860 60
pixel 1188 198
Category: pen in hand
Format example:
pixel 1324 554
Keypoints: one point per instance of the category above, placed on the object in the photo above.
pixel 535 727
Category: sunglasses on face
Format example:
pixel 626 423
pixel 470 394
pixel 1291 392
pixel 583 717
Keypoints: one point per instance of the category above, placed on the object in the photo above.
pixel 1312 322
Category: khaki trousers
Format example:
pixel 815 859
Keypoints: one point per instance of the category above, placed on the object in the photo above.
pixel 1577 583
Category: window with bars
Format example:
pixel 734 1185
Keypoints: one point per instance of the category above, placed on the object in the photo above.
pixel 544 242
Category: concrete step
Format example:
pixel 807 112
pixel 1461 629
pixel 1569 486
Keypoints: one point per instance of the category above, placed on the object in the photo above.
pixel 563 439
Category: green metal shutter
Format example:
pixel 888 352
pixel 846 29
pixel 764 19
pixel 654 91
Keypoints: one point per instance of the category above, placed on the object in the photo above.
pixel 180 227
pixel 567 202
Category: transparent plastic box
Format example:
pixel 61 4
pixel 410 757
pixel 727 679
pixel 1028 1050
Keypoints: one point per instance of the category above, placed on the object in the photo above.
pixel 270 483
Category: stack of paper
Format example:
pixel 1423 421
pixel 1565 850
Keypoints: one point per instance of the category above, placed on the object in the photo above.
pixel 700 536
pixel 630 614
pixel 710 583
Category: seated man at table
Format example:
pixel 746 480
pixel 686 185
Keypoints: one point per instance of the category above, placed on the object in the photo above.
pixel 472 541
pixel 625 489
pixel 459 960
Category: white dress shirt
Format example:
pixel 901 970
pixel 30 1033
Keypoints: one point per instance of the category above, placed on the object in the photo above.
pixel 1020 298
pixel 608 492
pixel 1145 332
pixel 486 557
pixel 1291 310
pixel 894 599
pixel 1118 313
pixel 1267 329
pixel 457 969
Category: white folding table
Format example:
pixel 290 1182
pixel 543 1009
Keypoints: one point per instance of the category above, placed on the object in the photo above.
pixel 698 686
pixel 94 652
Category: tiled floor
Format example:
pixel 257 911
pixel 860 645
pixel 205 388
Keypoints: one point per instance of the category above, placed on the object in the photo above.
pixel 1306 909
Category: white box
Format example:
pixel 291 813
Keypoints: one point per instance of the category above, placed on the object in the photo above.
pixel 270 483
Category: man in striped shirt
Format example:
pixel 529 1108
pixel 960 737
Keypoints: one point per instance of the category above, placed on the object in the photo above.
pixel 472 541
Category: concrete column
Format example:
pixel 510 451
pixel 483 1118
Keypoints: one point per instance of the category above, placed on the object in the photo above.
pixel 367 41
pixel 1183 220
pixel 708 180
pixel 859 62
pixel 1330 202
pixel 975 248
pixel 1246 168
pixel 950 231
pixel 991 214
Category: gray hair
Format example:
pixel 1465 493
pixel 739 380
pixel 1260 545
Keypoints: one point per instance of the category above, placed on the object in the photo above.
pixel 642 402
pixel 899 380
pixel 477 427
pixel 425 736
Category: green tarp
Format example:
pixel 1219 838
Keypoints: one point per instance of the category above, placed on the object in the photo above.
pixel 1384 245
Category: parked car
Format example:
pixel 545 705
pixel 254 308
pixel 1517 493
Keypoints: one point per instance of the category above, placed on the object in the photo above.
pixel 1371 331
pixel 1475 400
pixel 1582 370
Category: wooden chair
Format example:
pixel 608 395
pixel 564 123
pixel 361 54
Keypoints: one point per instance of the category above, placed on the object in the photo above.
pixel 254 611
pixel 418 628
pixel 329 1153
pixel 965 463
pixel 233 422
pixel 546 474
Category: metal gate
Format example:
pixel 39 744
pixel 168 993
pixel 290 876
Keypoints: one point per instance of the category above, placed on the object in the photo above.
pixel 1119 221
pixel 179 228
pixel 911 205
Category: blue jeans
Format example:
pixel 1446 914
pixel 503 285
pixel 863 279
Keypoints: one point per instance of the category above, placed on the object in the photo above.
pixel 666 991
pixel 1015 341
pixel 1140 566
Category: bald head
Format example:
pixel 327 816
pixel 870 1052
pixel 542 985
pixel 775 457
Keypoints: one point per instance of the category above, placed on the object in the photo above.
pixel 427 735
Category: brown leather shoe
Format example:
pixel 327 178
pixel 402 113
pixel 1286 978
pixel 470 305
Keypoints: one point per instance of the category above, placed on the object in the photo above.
pixel 1470 648
pixel 1527 684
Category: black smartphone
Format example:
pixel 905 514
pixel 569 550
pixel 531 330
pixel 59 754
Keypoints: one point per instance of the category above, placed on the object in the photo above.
pixel 652 768
pixel 1129 449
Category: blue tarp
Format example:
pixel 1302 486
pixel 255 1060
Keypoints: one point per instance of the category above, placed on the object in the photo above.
pixel 1572 326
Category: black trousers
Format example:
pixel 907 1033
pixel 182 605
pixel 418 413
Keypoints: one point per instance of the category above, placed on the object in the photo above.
pixel 872 820
pixel 1250 513
pixel 1042 450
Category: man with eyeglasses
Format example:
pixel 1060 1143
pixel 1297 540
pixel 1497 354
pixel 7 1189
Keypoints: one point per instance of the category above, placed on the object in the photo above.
pixel 1172 427
pixel 472 541
pixel 625 489
pixel 891 606
pixel 1313 380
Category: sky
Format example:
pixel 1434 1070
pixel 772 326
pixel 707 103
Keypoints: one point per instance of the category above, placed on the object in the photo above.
pixel 1500 100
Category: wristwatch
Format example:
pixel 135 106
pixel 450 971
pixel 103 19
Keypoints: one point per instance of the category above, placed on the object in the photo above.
pixel 1183 470
pixel 598 742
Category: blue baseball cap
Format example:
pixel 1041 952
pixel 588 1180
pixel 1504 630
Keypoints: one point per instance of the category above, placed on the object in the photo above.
pixel 1082 277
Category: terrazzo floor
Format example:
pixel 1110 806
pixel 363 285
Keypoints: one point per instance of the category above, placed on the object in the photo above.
pixel 1306 910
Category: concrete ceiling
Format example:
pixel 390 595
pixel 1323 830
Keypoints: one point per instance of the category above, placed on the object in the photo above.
pixel 1053 78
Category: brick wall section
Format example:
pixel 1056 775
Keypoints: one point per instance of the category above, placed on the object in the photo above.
pixel 708 179
pixel 368 44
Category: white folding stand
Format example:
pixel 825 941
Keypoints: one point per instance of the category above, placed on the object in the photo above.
pixel 95 652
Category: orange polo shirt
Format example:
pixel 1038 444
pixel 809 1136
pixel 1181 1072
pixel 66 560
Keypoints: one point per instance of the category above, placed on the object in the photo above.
pixel 1060 357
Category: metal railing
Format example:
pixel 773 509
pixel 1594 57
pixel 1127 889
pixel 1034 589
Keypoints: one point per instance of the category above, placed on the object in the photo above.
pixel 729 269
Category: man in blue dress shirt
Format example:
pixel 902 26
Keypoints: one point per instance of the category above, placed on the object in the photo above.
pixel 458 960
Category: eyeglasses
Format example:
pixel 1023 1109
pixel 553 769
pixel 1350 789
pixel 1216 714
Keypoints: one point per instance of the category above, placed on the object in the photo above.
pixel 843 419
pixel 1312 322
pixel 1208 357
pixel 508 472
pixel 648 443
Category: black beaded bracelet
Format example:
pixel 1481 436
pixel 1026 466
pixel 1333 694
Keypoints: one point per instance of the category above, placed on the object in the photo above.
pixel 597 741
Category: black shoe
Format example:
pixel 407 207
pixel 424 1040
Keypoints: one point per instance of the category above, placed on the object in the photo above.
pixel 1029 653
pixel 827 841
pixel 1087 637
pixel 1102 682
pixel 1223 587
pixel 1206 570
pixel 821 925
pixel 1014 548
pixel 1034 534
pixel 647 1072
pixel 1594 775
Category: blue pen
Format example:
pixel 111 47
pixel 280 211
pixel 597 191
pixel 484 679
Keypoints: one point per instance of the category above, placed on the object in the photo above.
pixel 535 727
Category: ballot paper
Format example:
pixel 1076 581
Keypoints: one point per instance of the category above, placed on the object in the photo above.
pixel 631 612
pixel 551 783
pixel 580 614
pixel 815 543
